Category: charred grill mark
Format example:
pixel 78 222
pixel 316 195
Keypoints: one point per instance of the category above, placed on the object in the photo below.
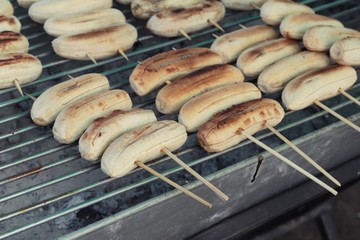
pixel 90 35
pixel 8 20
pixel 16 58
pixel 310 76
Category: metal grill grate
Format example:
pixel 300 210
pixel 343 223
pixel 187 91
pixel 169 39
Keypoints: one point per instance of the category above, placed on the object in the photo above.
pixel 46 188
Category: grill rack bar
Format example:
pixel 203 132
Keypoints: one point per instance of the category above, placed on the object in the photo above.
pixel 193 163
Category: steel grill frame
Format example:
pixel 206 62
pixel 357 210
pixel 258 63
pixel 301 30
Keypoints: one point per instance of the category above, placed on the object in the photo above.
pixel 10 100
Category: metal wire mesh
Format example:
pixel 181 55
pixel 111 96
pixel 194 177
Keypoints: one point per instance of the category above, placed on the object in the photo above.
pixel 43 181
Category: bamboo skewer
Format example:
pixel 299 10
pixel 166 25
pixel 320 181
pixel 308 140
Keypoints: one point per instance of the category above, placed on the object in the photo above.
pixel 349 96
pixel 255 6
pixel 215 36
pixel 175 185
pixel 71 77
pixel 242 26
pixel 223 196
pixel 287 161
pixel 301 153
pixel 217 25
pixel 91 58
pixel 335 114
pixel 122 53
pixel 30 96
pixel 18 87
pixel 184 34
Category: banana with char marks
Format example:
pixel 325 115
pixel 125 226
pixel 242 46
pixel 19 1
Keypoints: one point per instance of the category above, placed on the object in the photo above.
pixel 317 85
pixel 346 51
pixel 166 66
pixel 84 21
pixel 321 38
pixel 11 42
pixel 169 23
pixel 102 131
pixel 73 120
pixel 294 26
pixel 22 67
pixel 255 59
pixel 142 144
pixel 173 96
pixel 54 99
pixel 200 109
pixel 224 130
pixel 276 76
pixel 232 44
pixel 98 44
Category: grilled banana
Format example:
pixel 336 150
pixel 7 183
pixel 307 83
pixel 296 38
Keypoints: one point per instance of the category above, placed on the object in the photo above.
pixel 276 76
pixel 243 4
pixel 44 9
pixel 169 23
pixel 6 8
pixel 294 26
pixel 72 121
pixel 144 9
pixel 202 108
pixel 166 66
pixel 346 52
pixel 84 22
pixel 9 23
pixel 98 44
pixel 48 105
pixel 320 84
pixel 26 3
pixel 11 42
pixel 142 144
pixel 255 59
pixel 22 67
pixel 321 38
pixel 230 45
pixel 104 130
pixel 273 11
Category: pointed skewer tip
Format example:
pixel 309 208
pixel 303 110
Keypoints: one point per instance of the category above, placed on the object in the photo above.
pixel 18 87
pixel 91 58
pixel 185 34
pixel 220 194
pixel 122 53
pixel 217 25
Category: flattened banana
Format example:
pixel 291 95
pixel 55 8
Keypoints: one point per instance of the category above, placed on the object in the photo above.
pixel 98 44
pixel 54 99
pixel 22 67
pixel 84 21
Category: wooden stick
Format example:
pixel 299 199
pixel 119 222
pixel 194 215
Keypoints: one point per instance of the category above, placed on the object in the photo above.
pixel 184 34
pixel 18 87
pixel 287 161
pixel 242 26
pixel 255 6
pixel 335 114
pixel 167 82
pixel 301 153
pixel 215 36
pixel 71 77
pixel 30 96
pixel 195 174
pixel 139 62
pixel 173 48
pixel 122 53
pixel 217 25
pixel 91 58
pixel 175 185
pixel 349 96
